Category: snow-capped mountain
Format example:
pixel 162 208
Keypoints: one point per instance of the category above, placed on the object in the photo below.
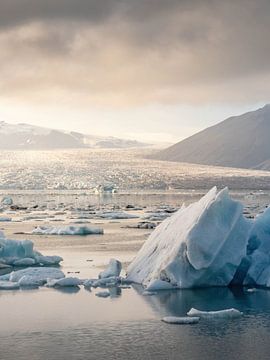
pixel 26 136
pixel 240 141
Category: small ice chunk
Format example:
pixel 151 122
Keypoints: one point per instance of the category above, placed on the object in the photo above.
pixel 103 294
pixel 156 285
pixel 253 290
pixel 106 282
pixel 88 283
pixel 67 230
pixel 5 219
pixel 64 282
pixel 8 285
pixel 25 262
pixel 7 200
pixel 114 269
pixel 181 320
pixel 149 293
pixel 221 314
pixel 112 215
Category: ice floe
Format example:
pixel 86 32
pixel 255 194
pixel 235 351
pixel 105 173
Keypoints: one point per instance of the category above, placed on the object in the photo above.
pixel 221 314
pixel 181 320
pixel 22 253
pixel 67 230
pixel 64 282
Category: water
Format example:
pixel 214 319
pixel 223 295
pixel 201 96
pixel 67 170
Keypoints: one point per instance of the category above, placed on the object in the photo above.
pixel 49 324
pixel 75 324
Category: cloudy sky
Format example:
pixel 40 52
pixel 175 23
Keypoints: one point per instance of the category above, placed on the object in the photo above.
pixel 148 69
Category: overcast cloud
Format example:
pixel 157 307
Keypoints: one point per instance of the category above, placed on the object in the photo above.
pixel 134 53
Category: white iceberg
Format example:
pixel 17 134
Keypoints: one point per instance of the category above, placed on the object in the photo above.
pixel 221 314
pixel 113 269
pixel 66 230
pixel 22 253
pixel 200 245
pixel 180 320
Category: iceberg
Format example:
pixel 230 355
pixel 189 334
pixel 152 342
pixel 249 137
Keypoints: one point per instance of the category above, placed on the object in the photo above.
pixel 22 253
pixel 66 230
pixel 221 314
pixel 258 252
pixel 199 245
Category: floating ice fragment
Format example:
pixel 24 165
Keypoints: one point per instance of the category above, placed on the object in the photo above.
pixel 103 294
pixel 67 230
pixel 113 270
pixel 40 274
pixel 64 282
pixel 7 200
pixel 223 314
pixel 181 320
pixel 112 215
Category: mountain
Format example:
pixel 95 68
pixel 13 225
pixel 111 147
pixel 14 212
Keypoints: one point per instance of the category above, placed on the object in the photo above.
pixel 24 136
pixel 240 141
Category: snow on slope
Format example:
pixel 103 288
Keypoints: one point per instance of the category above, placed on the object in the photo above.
pixel 26 136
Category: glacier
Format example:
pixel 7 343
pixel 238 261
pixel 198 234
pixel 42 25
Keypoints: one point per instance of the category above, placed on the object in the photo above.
pixel 208 243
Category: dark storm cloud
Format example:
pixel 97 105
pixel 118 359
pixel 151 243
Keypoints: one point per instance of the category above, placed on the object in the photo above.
pixel 137 50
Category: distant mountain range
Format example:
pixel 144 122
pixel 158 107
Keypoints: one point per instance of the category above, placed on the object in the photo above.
pixel 24 136
pixel 240 141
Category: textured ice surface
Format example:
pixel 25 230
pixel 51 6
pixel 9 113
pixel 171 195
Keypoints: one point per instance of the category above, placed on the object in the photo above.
pixel 113 269
pixel 66 230
pixel 221 314
pixel 22 253
pixel 40 274
pixel 200 245
pixel 64 282
pixel 103 294
pixel 180 320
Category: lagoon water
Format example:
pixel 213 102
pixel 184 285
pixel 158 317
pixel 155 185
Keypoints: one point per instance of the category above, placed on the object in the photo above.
pixel 75 324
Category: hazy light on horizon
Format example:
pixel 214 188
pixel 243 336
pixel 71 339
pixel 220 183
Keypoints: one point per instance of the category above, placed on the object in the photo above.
pixel 151 70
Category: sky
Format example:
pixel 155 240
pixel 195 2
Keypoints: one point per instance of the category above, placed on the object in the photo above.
pixel 153 70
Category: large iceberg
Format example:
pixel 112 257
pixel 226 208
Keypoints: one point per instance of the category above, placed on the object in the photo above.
pixel 22 253
pixel 200 245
